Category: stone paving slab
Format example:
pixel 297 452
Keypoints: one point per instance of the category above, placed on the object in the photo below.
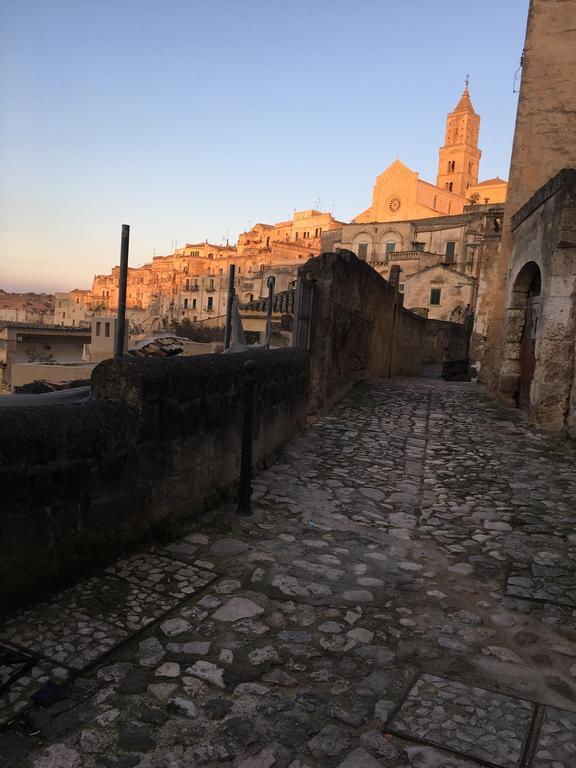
pixel 116 602
pixel 60 634
pixel 161 574
pixel 377 558
pixel 557 743
pixel 470 720
pixel 18 696
pixel 550 583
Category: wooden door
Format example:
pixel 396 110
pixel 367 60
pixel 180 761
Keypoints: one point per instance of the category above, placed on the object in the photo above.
pixel 528 350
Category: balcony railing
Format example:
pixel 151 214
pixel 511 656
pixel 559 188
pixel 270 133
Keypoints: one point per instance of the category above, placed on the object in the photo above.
pixel 402 256
pixel 210 289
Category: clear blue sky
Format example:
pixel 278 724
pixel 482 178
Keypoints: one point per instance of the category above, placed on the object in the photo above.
pixel 188 118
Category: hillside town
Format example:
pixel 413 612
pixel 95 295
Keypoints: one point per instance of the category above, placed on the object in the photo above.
pixel 432 241
pixel 306 500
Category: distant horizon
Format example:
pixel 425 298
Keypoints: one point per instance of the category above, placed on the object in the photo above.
pixel 201 121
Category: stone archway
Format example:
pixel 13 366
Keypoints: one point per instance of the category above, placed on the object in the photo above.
pixel 519 360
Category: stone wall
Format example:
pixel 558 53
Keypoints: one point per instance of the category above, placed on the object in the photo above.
pixel 79 483
pixel 544 247
pixel 544 139
pixel 446 350
pixel 359 328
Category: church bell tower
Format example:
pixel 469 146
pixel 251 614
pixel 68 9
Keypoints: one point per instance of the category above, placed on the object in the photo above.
pixel 460 157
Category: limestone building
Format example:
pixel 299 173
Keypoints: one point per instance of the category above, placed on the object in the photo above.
pixel 399 193
pixel 192 282
pixel 437 263
pixel 530 329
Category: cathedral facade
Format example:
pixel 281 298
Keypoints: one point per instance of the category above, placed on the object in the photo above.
pixel 399 193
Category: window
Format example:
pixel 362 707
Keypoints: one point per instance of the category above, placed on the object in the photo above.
pixel 193 303
pixel 306 235
pixel 251 297
pixel 210 255
pixel 390 247
pixel 451 166
pixel 317 232
pixel 107 330
pixel 60 304
pixel 211 282
pixel 77 301
pixel 419 246
pixel 210 303
pixel 98 324
pixel 450 251
pixel 63 315
pixel 435 295
pixel 296 236
pixel 187 287
pixel 362 251
pixel 450 186
pixel 185 303
pixel 401 287
pixel 267 242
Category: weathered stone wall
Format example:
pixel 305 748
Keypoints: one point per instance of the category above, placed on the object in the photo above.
pixel 544 243
pixel 359 328
pixel 79 483
pixel 446 350
pixel 544 138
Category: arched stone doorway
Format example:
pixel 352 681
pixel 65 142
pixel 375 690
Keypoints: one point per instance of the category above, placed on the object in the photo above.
pixel 526 301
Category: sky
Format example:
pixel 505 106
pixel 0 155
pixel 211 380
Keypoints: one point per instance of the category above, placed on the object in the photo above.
pixel 196 119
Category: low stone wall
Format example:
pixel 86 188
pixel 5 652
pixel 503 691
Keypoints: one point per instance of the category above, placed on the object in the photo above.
pixel 359 328
pixel 79 483
pixel 446 350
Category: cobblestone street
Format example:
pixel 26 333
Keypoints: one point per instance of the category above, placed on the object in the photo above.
pixel 404 595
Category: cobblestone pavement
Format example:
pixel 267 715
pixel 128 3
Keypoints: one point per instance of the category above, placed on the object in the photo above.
pixel 404 595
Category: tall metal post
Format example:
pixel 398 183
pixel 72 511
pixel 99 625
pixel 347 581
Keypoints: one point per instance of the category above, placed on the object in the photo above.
pixel 122 283
pixel 271 284
pixel 228 328
pixel 245 491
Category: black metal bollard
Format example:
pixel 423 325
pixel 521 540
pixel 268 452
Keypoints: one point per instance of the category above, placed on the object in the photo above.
pixel 122 283
pixel 245 492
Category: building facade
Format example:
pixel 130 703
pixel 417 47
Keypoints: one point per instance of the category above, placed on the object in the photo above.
pixel 436 262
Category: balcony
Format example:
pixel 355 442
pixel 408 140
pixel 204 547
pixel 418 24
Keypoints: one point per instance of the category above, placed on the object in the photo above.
pixel 210 289
pixel 402 256
pixel 210 310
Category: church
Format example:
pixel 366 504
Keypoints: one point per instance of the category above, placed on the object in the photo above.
pixel 399 194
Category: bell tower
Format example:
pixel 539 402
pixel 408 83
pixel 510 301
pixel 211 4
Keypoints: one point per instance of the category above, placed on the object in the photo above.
pixel 460 157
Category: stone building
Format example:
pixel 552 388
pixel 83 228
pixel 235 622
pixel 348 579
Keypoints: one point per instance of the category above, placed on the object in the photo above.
pixel 440 293
pixel 408 252
pixel 26 343
pixel 73 308
pixel 192 282
pixel 400 194
pixel 529 334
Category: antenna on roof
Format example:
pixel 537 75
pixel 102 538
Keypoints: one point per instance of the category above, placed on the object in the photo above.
pixel 517 74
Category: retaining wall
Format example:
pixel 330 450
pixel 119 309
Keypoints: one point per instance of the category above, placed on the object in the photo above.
pixel 79 483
